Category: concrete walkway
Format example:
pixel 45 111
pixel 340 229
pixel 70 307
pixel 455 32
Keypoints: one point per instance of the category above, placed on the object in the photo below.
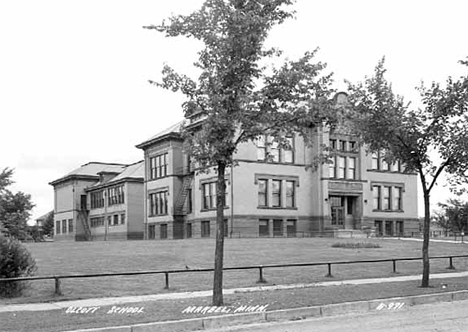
pixel 107 301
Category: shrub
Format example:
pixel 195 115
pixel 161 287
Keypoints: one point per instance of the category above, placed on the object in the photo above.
pixel 15 262
pixel 355 245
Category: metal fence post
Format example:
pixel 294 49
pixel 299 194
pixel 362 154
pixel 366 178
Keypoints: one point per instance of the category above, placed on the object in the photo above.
pixel 58 291
pixel 394 266
pixel 329 275
pixel 261 280
pixel 451 267
pixel 166 277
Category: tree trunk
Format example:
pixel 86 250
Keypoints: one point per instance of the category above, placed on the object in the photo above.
pixel 219 251
pixel 425 247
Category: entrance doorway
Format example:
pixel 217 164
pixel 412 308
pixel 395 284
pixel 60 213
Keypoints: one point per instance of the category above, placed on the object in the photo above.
pixel 337 211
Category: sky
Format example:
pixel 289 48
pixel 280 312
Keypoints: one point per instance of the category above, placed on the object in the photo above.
pixel 74 74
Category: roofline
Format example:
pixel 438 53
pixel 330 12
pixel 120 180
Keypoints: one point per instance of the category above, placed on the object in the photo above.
pixel 158 139
pixel 110 183
pixel 74 177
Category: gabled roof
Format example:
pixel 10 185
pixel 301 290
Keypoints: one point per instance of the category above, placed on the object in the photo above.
pixel 44 217
pixel 133 172
pixel 90 171
pixel 171 132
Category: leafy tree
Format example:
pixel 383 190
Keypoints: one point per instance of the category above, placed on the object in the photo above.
pixel 238 97
pixel 48 225
pixel 14 208
pixel 428 140
pixel 456 214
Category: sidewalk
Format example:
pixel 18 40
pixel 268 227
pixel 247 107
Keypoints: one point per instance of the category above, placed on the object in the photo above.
pixel 186 295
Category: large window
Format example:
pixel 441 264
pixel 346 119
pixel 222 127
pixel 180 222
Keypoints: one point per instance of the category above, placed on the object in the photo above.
pixel 332 168
pixel 158 203
pixel 376 196
pixel 97 199
pixel 386 198
pixel 64 226
pixel 97 222
pixel 272 152
pixel 262 192
pixel 351 168
pixel 158 166
pixel 116 195
pixel 341 167
pixel 276 193
pixel 397 198
pixel 57 227
pixel 290 194
pixel 70 225
pixel 209 190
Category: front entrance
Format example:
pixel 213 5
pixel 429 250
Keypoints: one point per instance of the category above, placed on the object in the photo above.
pixel 337 211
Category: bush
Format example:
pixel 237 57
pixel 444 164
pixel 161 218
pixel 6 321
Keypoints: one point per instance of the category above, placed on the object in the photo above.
pixel 15 262
pixel 355 245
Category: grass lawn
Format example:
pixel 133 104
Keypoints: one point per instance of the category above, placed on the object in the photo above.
pixel 166 310
pixel 62 258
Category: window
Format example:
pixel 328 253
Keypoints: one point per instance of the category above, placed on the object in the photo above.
pixel 350 205
pixel 163 231
pixel 97 199
pixel 342 146
pixel 376 197
pixel 276 193
pixel 205 229
pixel 333 144
pixel 274 150
pixel 189 201
pixel 291 227
pixel 352 168
pixel 115 195
pixel 290 195
pixel 341 167
pixel 352 146
pixel 277 227
pixel 64 226
pixel 57 227
pixel 262 192
pixel 332 168
pixel 158 203
pixel 122 218
pixel 396 166
pixel 400 230
pixel 261 148
pixel 209 195
pixel 397 199
pixel 189 230
pixel 384 165
pixel 375 161
pixel 263 228
pixel 386 198
pixel 97 222
pixel 116 219
pixel 70 225
pixel 289 151
pixel 158 166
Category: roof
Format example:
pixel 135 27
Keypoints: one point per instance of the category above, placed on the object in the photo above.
pixel 173 131
pixel 91 170
pixel 134 171
pixel 44 217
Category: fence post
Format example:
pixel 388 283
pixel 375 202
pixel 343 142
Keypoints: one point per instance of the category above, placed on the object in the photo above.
pixel 166 277
pixel 394 266
pixel 58 291
pixel 329 275
pixel 451 267
pixel 261 280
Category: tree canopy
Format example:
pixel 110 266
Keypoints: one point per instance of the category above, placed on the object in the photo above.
pixel 15 208
pixel 427 140
pixel 239 94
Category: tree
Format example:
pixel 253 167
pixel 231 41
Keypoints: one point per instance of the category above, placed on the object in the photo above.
pixel 428 140
pixel 14 208
pixel 456 214
pixel 48 226
pixel 238 98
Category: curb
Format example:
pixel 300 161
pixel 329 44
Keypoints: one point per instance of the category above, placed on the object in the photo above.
pixel 359 307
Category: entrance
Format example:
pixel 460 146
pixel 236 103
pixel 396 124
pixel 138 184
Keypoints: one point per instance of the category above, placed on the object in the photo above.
pixel 337 211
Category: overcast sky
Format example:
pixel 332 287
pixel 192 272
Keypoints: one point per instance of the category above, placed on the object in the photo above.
pixel 74 74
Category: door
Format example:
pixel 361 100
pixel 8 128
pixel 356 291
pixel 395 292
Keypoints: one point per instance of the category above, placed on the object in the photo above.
pixel 337 211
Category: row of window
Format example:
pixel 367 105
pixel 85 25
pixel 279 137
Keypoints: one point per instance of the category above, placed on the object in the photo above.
pixel 158 203
pixel 63 226
pixel 268 150
pixel 112 220
pixel 277 228
pixel 209 190
pixel 342 145
pixel 389 228
pixel 158 166
pixel 115 195
pixel 275 200
pixel 378 163
pixel 387 198
pixel 343 168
